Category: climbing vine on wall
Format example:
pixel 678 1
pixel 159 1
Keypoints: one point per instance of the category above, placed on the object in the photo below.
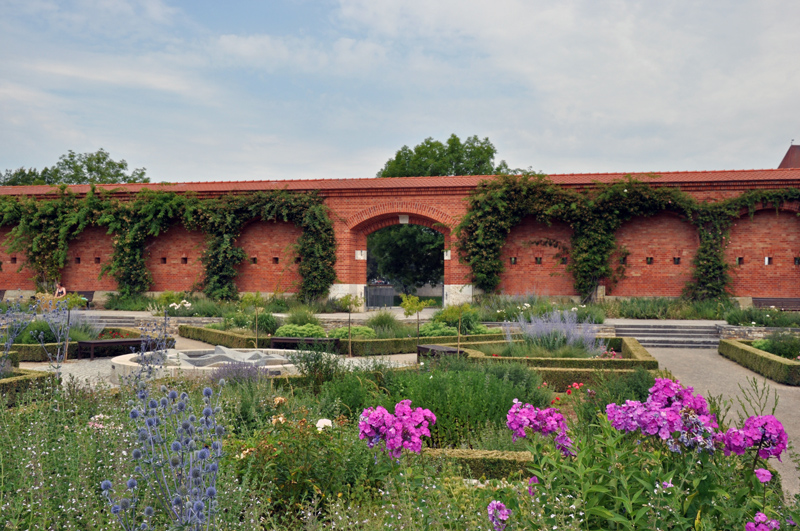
pixel 43 229
pixel 497 205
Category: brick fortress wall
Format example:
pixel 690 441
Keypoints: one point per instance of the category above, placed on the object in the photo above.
pixel 360 207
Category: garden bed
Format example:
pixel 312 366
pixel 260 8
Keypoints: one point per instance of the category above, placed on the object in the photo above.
pixel 361 347
pixel 39 353
pixel 770 366
pixel 20 381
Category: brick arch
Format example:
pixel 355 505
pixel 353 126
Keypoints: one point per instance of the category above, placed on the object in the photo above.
pixel 379 216
pixel 790 206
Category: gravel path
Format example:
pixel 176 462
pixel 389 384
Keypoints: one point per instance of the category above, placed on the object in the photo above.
pixel 711 374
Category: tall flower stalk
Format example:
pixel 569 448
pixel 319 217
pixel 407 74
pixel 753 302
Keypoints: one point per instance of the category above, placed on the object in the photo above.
pixel 12 322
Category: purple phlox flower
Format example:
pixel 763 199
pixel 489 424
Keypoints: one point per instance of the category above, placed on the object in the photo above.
pixel 544 421
pixel 762 523
pixel 763 475
pixel 531 482
pixel 764 432
pixel 404 429
pixel 498 514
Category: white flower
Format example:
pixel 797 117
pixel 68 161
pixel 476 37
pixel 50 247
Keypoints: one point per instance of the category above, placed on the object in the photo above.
pixel 574 309
pixel 753 323
pixel 625 190
pixel 324 423
pixel 767 315
pixel 173 305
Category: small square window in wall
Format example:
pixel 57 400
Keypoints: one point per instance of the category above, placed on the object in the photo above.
pixel 96 259
pixel 740 260
pixel 297 260
pixel 163 260
pixel 797 260
pixel 276 260
pixel 184 260
pixel 13 259
pixel 538 260
pixel 623 260
pixel 564 261
pixel 77 259
pixel 767 260
pixel 676 260
pixel 513 260
pixel 253 260
pixel 649 260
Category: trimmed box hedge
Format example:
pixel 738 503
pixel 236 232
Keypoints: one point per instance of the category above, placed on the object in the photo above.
pixel 38 353
pixel 484 464
pixel 361 347
pixel 21 380
pixel 770 366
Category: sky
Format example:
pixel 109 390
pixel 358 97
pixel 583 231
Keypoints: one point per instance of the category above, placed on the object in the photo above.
pixel 205 90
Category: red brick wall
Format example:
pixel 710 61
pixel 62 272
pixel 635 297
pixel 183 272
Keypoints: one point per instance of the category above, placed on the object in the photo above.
pixel 10 278
pixel 526 276
pixel 93 248
pixel 269 242
pixel 662 237
pixel 768 234
pixel 182 250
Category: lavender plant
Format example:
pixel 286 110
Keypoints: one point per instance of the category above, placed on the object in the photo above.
pixel 179 454
pixel 558 329
pixel 12 322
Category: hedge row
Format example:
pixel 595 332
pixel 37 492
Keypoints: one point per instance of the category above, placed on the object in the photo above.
pixel 774 367
pixel 634 355
pixel 361 347
pixel 484 464
pixel 38 352
pixel 22 380
pixel 221 337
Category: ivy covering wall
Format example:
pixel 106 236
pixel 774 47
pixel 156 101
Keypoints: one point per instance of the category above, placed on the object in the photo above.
pixel 497 205
pixel 43 228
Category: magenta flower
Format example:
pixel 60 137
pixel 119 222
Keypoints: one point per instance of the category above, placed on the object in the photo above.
pixel 764 432
pixel 763 475
pixel 531 482
pixel 762 523
pixel 544 421
pixel 404 429
pixel 498 514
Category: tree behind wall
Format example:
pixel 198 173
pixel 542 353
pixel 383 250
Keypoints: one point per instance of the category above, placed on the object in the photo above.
pixel 410 256
pixel 77 168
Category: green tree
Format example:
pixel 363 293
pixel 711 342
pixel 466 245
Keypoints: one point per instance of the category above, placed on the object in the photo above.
pixel 410 256
pixel 77 168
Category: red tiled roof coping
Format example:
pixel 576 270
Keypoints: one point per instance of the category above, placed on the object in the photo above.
pixel 469 181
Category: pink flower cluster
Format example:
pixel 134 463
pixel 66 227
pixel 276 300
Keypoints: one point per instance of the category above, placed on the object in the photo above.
pixel 404 429
pixel 498 514
pixel 762 523
pixel 544 421
pixel 670 408
pixel 764 432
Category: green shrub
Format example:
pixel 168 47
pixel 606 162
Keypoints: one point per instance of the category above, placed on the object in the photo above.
pixel 276 305
pixel 131 303
pixel 769 317
pixel 361 332
pixel 306 330
pixel 266 323
pixel 465 314
pixel 384 319
pixel 780 343
pixel 437 329
pixel 316 366
pixel 302 315
pixel 771 366
pixel 34 331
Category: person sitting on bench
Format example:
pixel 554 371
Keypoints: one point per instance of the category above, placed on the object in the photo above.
pixel 61 291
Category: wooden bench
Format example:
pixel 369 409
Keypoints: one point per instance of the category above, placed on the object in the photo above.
pixel 300 341
pixel 778 303
pixel 90 344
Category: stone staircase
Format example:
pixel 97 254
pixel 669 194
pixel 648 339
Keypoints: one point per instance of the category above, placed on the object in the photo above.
pixel 111 321
pixel 670 335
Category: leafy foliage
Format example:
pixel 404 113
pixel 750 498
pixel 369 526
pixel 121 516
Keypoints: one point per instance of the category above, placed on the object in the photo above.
pixel 43 229
pixel 408 256
pixel 77 168
pixel 496 206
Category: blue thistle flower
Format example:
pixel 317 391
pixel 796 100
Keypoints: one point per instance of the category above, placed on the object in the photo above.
pixel 208 412
pixel 132 484
pixel 115 509
pixel 207 392
pixel 137 454
pixel 181 406
pixel 173 395
pixel 199 506
pixel 177 501
pixel 149 511
pixel 105 485
pixel 152 404
pixel 125 504
pixel 203 454
pixel 176 446
pixel 134 414
pixel 164 402
pixel 196 473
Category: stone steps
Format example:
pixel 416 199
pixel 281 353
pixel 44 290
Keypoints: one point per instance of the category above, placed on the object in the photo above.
pixel 671 336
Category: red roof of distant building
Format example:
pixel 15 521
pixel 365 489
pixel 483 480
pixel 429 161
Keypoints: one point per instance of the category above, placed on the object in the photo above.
pixel 375 184
pixel 791 159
